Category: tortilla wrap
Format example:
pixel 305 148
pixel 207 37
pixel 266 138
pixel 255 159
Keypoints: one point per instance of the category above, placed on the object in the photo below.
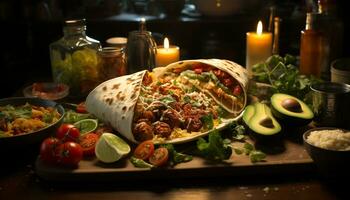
pixel 239 73
pixel 114 101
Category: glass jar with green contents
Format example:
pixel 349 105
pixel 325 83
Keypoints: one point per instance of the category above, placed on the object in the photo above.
pixel 74 59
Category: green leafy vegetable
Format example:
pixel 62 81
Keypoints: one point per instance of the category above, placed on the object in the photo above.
pixel 256 156
pixel 71 116
pixel 283 75
pixel 140 163
pixel 48 117
pixel 237 131
pixel 176 157
pixel 208 122
pixel 214 149
pixel 167 99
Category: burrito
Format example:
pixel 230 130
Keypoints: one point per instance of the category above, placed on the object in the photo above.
pixel 179 102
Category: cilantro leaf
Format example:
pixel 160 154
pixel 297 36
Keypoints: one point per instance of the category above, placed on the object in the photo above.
pixel 256 156
pixel 176 157
pixel 214 149
pixel 208 122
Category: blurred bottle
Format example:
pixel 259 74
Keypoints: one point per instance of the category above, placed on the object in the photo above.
pixel 74 59
pixel 141 49
pixel 314 47
pixel 334 30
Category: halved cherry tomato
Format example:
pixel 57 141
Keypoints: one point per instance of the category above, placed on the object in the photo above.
pixel 159 157
pixel 237 90
pixel 81 108
pixel 48 150
pixel 69 153
pixel 227 82
pixel 68 132
pixel 198 70
pixel 144 150
pixel 88 143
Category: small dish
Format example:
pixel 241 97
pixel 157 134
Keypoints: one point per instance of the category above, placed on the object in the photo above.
pixel 47 90
pixel 330 163
pixel 35 137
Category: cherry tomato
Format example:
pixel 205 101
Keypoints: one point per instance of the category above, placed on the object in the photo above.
pixel 69 153
pixel 144 150
pixel 198 70
pixel 68 132
pixel 237 90
pixel 48 150
pixel 159 157
pixel 81 108
pixel 227 82
pixel 88 143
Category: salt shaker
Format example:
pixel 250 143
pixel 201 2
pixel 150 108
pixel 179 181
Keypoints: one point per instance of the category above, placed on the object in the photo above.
pixel 141 49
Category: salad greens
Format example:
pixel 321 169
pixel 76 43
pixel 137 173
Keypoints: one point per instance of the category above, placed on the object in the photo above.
pixel 283 74
pixel 216 148
pixel 72 117
pixel 176 157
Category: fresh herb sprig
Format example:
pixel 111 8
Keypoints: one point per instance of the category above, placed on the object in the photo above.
pixel 283 74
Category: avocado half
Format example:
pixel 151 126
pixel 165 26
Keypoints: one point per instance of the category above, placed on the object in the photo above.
pixel 290 111
pixel 260 122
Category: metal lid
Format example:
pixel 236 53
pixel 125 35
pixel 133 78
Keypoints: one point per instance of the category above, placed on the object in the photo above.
pixel 75 22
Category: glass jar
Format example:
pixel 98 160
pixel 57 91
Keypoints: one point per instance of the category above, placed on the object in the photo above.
pixel 112 63
pixel 74 59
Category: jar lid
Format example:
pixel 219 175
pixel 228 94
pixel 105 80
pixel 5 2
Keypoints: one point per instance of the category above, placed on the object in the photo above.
pixel 108 51
pixel 75 22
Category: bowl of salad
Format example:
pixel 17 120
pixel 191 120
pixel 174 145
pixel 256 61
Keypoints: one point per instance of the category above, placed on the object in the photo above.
pixel 26 120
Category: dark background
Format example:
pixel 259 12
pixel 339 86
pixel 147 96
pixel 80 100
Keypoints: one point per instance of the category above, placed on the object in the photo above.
pixel 29 26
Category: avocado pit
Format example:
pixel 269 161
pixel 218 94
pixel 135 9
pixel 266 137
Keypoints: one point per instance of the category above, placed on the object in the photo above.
pixel 267 122
pixel 292 105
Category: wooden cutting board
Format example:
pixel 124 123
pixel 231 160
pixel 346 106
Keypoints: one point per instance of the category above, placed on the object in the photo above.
pixel 288 157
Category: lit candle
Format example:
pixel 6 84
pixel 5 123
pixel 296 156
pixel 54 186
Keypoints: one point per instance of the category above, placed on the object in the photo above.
pixel 259 46
pixel 167 54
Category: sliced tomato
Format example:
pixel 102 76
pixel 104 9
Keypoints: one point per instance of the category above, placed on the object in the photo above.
pixel 88 143
pixel 144 150
pixel 81 108
pixel 198 70
pixel 159 157
pixel 228 82
pixel 237 90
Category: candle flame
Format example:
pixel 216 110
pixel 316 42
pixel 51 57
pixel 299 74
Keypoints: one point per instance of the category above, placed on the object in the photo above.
pixel 259 28
pixel 166 43
pixel 142 19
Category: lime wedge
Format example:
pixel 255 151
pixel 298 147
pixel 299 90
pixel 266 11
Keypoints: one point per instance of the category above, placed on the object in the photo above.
pixel 110 148
pixel 86 125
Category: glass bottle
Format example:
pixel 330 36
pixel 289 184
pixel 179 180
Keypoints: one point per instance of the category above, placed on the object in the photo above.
pixel 334 30
pixel 74 59
pixel 314 47
pixel 141 49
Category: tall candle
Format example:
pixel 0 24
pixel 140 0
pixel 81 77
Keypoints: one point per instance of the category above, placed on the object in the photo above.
pixel 259 47
pixel 167 54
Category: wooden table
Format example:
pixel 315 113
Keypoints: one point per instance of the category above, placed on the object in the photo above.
pixel 19 181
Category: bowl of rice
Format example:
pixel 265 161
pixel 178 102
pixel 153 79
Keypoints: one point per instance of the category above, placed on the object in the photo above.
pixel 329 148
